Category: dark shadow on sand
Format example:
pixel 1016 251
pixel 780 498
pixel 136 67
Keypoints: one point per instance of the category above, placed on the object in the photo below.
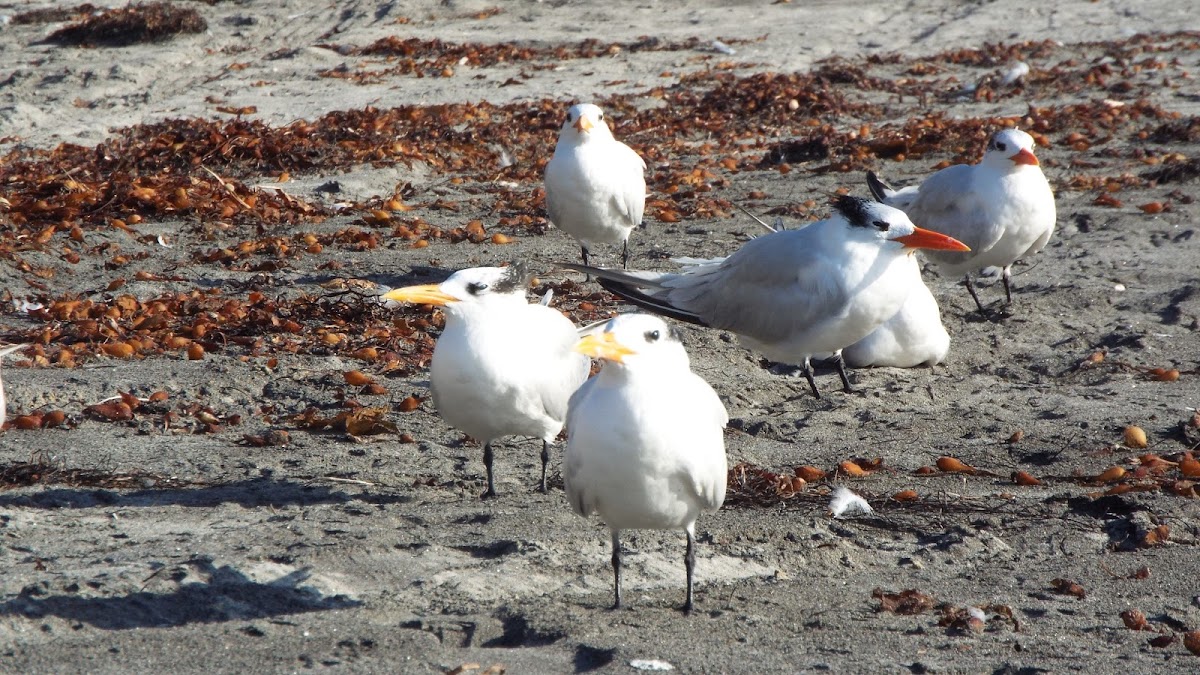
pixel 228 595
pixel 247 493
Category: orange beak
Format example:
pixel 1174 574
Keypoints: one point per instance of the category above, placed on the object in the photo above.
pixel 583 124
pixel 428 294
pixel 603 346
pixel 1025 157
pixel 922 238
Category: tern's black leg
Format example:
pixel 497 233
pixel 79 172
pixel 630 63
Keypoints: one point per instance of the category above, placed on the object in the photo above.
pixel 841 367
pixel 487 461
pixel 545 461
pixel 808 375
pixel 616 564
pixel 584 251
pixel 1007 290
pixel 971 290
pixel 689 562
pixel 625 255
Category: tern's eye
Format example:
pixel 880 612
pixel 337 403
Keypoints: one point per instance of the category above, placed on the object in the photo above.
pixel 882 225
pixel 652 336
pixel 1001 146
pixel 475 288
pixel 600 116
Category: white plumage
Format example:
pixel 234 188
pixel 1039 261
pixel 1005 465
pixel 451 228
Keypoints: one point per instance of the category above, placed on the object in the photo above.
pixel 502 366
pixel 914 336
pixel 5 351
pixel 792 294
pixel 645 446
pixel 595 184
pixel 1002 207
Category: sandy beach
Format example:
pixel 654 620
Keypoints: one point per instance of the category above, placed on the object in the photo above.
pixel 197 228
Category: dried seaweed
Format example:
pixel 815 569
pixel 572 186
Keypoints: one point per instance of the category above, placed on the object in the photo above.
pixel 1175 172
pixel 53 14
pixel 129 25
pixel 25 474
pixel 434 57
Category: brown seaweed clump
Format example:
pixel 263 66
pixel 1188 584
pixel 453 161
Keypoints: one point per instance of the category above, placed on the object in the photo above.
pixel 132 24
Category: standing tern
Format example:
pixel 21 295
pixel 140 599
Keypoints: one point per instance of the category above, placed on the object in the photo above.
pixel 914 336
pixel 502 366
pixel 645 446
pixel 595 184
pixel 5 351
pixel 1002 207
pixel 794 293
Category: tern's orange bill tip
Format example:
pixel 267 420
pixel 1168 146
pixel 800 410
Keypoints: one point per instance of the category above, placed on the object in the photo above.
pixel 1025 157
pixel 922 238
pixel 583 124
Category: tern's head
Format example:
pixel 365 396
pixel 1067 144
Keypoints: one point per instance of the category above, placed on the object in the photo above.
pixel 1008 148
pixel 872 221
pixel 473 286
pixel 584 122
pixel 635 341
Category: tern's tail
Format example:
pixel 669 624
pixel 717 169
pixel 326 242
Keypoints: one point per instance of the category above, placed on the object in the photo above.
pixel 880 190
pixel 629 285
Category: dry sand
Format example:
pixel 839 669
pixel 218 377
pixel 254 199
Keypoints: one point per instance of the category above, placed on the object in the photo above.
pixel 373 555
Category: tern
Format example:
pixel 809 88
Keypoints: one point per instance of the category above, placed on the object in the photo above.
pixel 645 440
pixel 794 293
pixel 595 184
pixel 5 351
pixel 1002 207
pixel 914 336
pixel 502 366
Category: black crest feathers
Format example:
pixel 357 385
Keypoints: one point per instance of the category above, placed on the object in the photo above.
pixel 854 209
pixel 516 276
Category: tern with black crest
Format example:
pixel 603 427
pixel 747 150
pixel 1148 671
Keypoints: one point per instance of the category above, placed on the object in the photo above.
pixel 792 294
pixel 502 366
pixel 1002 207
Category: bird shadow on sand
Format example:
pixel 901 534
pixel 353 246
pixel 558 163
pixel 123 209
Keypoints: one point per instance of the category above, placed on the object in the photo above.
pixel 259 492
pixel 226 595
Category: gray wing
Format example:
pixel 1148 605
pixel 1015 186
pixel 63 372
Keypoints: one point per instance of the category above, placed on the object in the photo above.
pixel 554 190
pixel 630 195
pixel 948 203
pixel 563 377
pixel 570 467
pixel 708 467
pixel 765 290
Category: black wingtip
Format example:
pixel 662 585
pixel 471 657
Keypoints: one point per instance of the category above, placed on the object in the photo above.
pixel 879 189
pixel 648 302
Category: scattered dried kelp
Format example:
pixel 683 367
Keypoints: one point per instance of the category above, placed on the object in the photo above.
pixel 347 321
pixel 54 14
pixel 132 24
pixel 25 474
pixel 428 58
